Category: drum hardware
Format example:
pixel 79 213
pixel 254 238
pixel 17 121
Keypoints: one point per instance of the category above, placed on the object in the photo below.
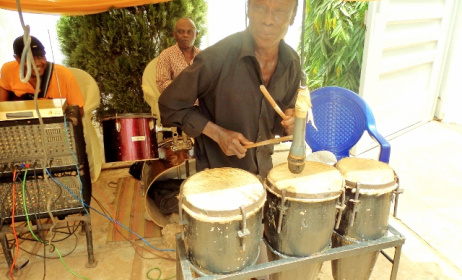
pixel 340 208
pixel 183 144
pixel 396 194
pixel 181 222
pixel 244 231
pixel 282 209
pixel 355 203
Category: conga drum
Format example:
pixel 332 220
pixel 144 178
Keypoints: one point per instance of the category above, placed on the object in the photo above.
pixel 222 211
pixel 129 137
pixel 369 187
pixel 300 214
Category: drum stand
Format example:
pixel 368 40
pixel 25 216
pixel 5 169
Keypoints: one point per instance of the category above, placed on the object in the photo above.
pixel 391 239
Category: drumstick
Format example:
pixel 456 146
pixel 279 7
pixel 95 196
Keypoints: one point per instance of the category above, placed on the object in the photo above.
pixel 272 102
pixel 267 142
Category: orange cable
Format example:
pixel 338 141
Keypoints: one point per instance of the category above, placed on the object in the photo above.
pixel 13 225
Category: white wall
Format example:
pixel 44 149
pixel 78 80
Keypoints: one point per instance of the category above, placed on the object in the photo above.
pixel 41 26
pixel 451 89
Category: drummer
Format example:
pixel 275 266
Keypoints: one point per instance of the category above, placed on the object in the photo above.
pixel 226 79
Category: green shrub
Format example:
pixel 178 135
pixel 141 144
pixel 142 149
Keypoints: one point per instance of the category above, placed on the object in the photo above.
pixel 334 42
pixel 114 47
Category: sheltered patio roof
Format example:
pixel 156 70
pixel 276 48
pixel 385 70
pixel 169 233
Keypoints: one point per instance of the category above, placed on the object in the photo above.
pixel 71 7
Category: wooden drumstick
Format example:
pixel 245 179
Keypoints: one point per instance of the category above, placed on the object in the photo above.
pixel 272 102
pixel 270 141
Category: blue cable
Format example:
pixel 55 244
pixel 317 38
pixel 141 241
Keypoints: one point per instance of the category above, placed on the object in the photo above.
pixel 109 218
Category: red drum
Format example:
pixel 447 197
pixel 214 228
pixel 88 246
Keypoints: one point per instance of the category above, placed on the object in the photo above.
pixel 129 137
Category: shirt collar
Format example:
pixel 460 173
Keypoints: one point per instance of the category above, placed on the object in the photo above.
pixel 248 49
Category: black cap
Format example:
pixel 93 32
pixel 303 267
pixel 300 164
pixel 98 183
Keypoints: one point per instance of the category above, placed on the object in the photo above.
pixel 35 45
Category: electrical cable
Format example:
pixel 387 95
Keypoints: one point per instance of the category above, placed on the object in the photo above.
pixel 38 239
pixel 13 225
pixel 115 227
pixel 158 277
pixel 109 218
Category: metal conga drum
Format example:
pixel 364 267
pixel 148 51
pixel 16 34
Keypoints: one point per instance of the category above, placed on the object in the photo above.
pixel 369 190
pixel 300 214
pixel 221 210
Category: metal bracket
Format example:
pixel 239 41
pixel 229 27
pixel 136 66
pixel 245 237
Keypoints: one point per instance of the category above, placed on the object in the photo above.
pixel 355 203
pixel 340 208
pixel 244 231
pixel 396 193
pixel 181 222
pixel 282 210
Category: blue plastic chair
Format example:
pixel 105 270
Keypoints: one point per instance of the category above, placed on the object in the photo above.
pixel 341 117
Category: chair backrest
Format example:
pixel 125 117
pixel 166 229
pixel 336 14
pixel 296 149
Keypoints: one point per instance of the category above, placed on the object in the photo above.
pixel 342 117
pixel 148 84
pixel 91 96
pixel 89 88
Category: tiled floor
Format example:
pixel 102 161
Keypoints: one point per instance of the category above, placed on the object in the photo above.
pixel 426 159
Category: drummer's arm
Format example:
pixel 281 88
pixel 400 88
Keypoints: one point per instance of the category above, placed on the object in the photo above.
pixel 230 142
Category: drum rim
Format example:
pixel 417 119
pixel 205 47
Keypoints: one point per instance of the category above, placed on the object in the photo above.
pixel 271 185
pixel 129 115
pixel 303 196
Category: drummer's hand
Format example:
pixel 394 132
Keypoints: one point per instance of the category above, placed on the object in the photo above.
pixel 230 142
pixel 289 123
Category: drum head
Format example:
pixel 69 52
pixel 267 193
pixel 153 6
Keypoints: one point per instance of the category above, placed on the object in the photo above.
pixel 369 173
pixel 317 181
pixel 220 192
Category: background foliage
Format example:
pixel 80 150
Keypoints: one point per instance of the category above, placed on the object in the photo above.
pixel 114 47
pixel 334 42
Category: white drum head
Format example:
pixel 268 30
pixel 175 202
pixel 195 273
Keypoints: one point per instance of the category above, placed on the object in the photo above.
pixel 220 192
pixel 369 173
pixel 317 181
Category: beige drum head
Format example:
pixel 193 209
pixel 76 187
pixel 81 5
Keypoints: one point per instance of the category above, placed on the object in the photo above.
pixel 217 194
pixel 369 173
pixel 317 181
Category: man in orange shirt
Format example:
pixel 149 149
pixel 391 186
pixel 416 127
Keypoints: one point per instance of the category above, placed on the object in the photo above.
pixel 56 80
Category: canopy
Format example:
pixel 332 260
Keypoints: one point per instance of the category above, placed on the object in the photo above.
pixel 72 7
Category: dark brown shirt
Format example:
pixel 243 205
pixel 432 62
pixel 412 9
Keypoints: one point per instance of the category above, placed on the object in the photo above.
pixel 226 78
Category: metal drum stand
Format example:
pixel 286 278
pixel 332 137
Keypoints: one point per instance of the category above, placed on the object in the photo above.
pixel 391 239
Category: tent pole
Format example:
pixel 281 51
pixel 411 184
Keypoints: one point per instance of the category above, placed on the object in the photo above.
pixel 302 39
